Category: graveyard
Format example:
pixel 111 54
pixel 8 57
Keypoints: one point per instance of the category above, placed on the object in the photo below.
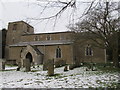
pixel 60 44
pixel 79 77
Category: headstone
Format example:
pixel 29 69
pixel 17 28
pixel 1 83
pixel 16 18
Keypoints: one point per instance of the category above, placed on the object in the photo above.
pixel 19 66
pixel 27 65
pixel 94 67
pixel 2 65
pixel 50 67
pixel 71 67
pixel 33 64
pixel 66 68
pixel 45 65
pixel 89 67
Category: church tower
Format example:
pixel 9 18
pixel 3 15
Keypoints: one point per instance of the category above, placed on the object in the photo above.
pixel 16 29
pixel 14 33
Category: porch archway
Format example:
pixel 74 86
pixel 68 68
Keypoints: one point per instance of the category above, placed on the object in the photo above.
pixel 29 57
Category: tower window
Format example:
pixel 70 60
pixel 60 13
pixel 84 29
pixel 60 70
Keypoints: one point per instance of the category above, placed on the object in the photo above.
pixel 14 26
pixel 88 51
pixel 58 53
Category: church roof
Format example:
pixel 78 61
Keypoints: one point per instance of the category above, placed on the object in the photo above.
pixel 48 33
pixel 42 43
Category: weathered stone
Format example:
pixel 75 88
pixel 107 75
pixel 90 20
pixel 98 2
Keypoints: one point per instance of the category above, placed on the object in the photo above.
pixel 50 67
pixel 27 65
pixel 66 68
pixel 87 69
pixel 2 65
pixel 19 66
pixel 33 64
pixel 72 66
pixel 94 67
pixel 45 66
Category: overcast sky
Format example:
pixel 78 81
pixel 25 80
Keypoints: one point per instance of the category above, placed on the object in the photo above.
pixel 17 10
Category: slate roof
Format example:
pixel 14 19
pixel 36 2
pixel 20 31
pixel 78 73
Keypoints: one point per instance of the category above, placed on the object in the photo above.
pixel 42 43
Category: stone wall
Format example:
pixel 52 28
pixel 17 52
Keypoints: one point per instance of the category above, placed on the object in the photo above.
pixel 16 30
pixel 43 36
pixel 98 54
pixel 66 53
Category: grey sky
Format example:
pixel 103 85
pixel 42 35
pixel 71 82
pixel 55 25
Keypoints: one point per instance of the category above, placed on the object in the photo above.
pixel 17 10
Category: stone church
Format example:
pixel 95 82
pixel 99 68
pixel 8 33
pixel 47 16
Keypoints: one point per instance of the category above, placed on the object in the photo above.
pixel 22 43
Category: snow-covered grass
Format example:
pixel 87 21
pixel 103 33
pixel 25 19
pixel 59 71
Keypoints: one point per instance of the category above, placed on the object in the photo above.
pixel 77 78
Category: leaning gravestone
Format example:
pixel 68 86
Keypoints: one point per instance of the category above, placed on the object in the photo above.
pixel 2 65
pixel 50 67
pixel 27 65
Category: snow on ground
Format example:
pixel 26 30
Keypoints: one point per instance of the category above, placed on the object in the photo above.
pixel 77 78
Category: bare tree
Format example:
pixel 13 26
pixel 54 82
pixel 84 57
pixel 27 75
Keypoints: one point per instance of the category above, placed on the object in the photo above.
pixel 102 23
pixel 61 6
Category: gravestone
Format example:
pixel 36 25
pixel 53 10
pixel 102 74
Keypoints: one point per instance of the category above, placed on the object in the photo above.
pixel 19 66
pixel 94 67
pixel 2 65
pixel 50 67
pixel 33 64
pixel 72 66
pixel 66 68
pixel 27 65
pixel 45 65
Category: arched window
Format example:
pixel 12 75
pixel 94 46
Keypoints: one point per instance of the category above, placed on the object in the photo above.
pixel 58 53
pixel 88 51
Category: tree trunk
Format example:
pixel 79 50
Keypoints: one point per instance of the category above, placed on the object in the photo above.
pixel 115 57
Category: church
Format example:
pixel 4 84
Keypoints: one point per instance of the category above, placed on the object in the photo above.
pixel 22 43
